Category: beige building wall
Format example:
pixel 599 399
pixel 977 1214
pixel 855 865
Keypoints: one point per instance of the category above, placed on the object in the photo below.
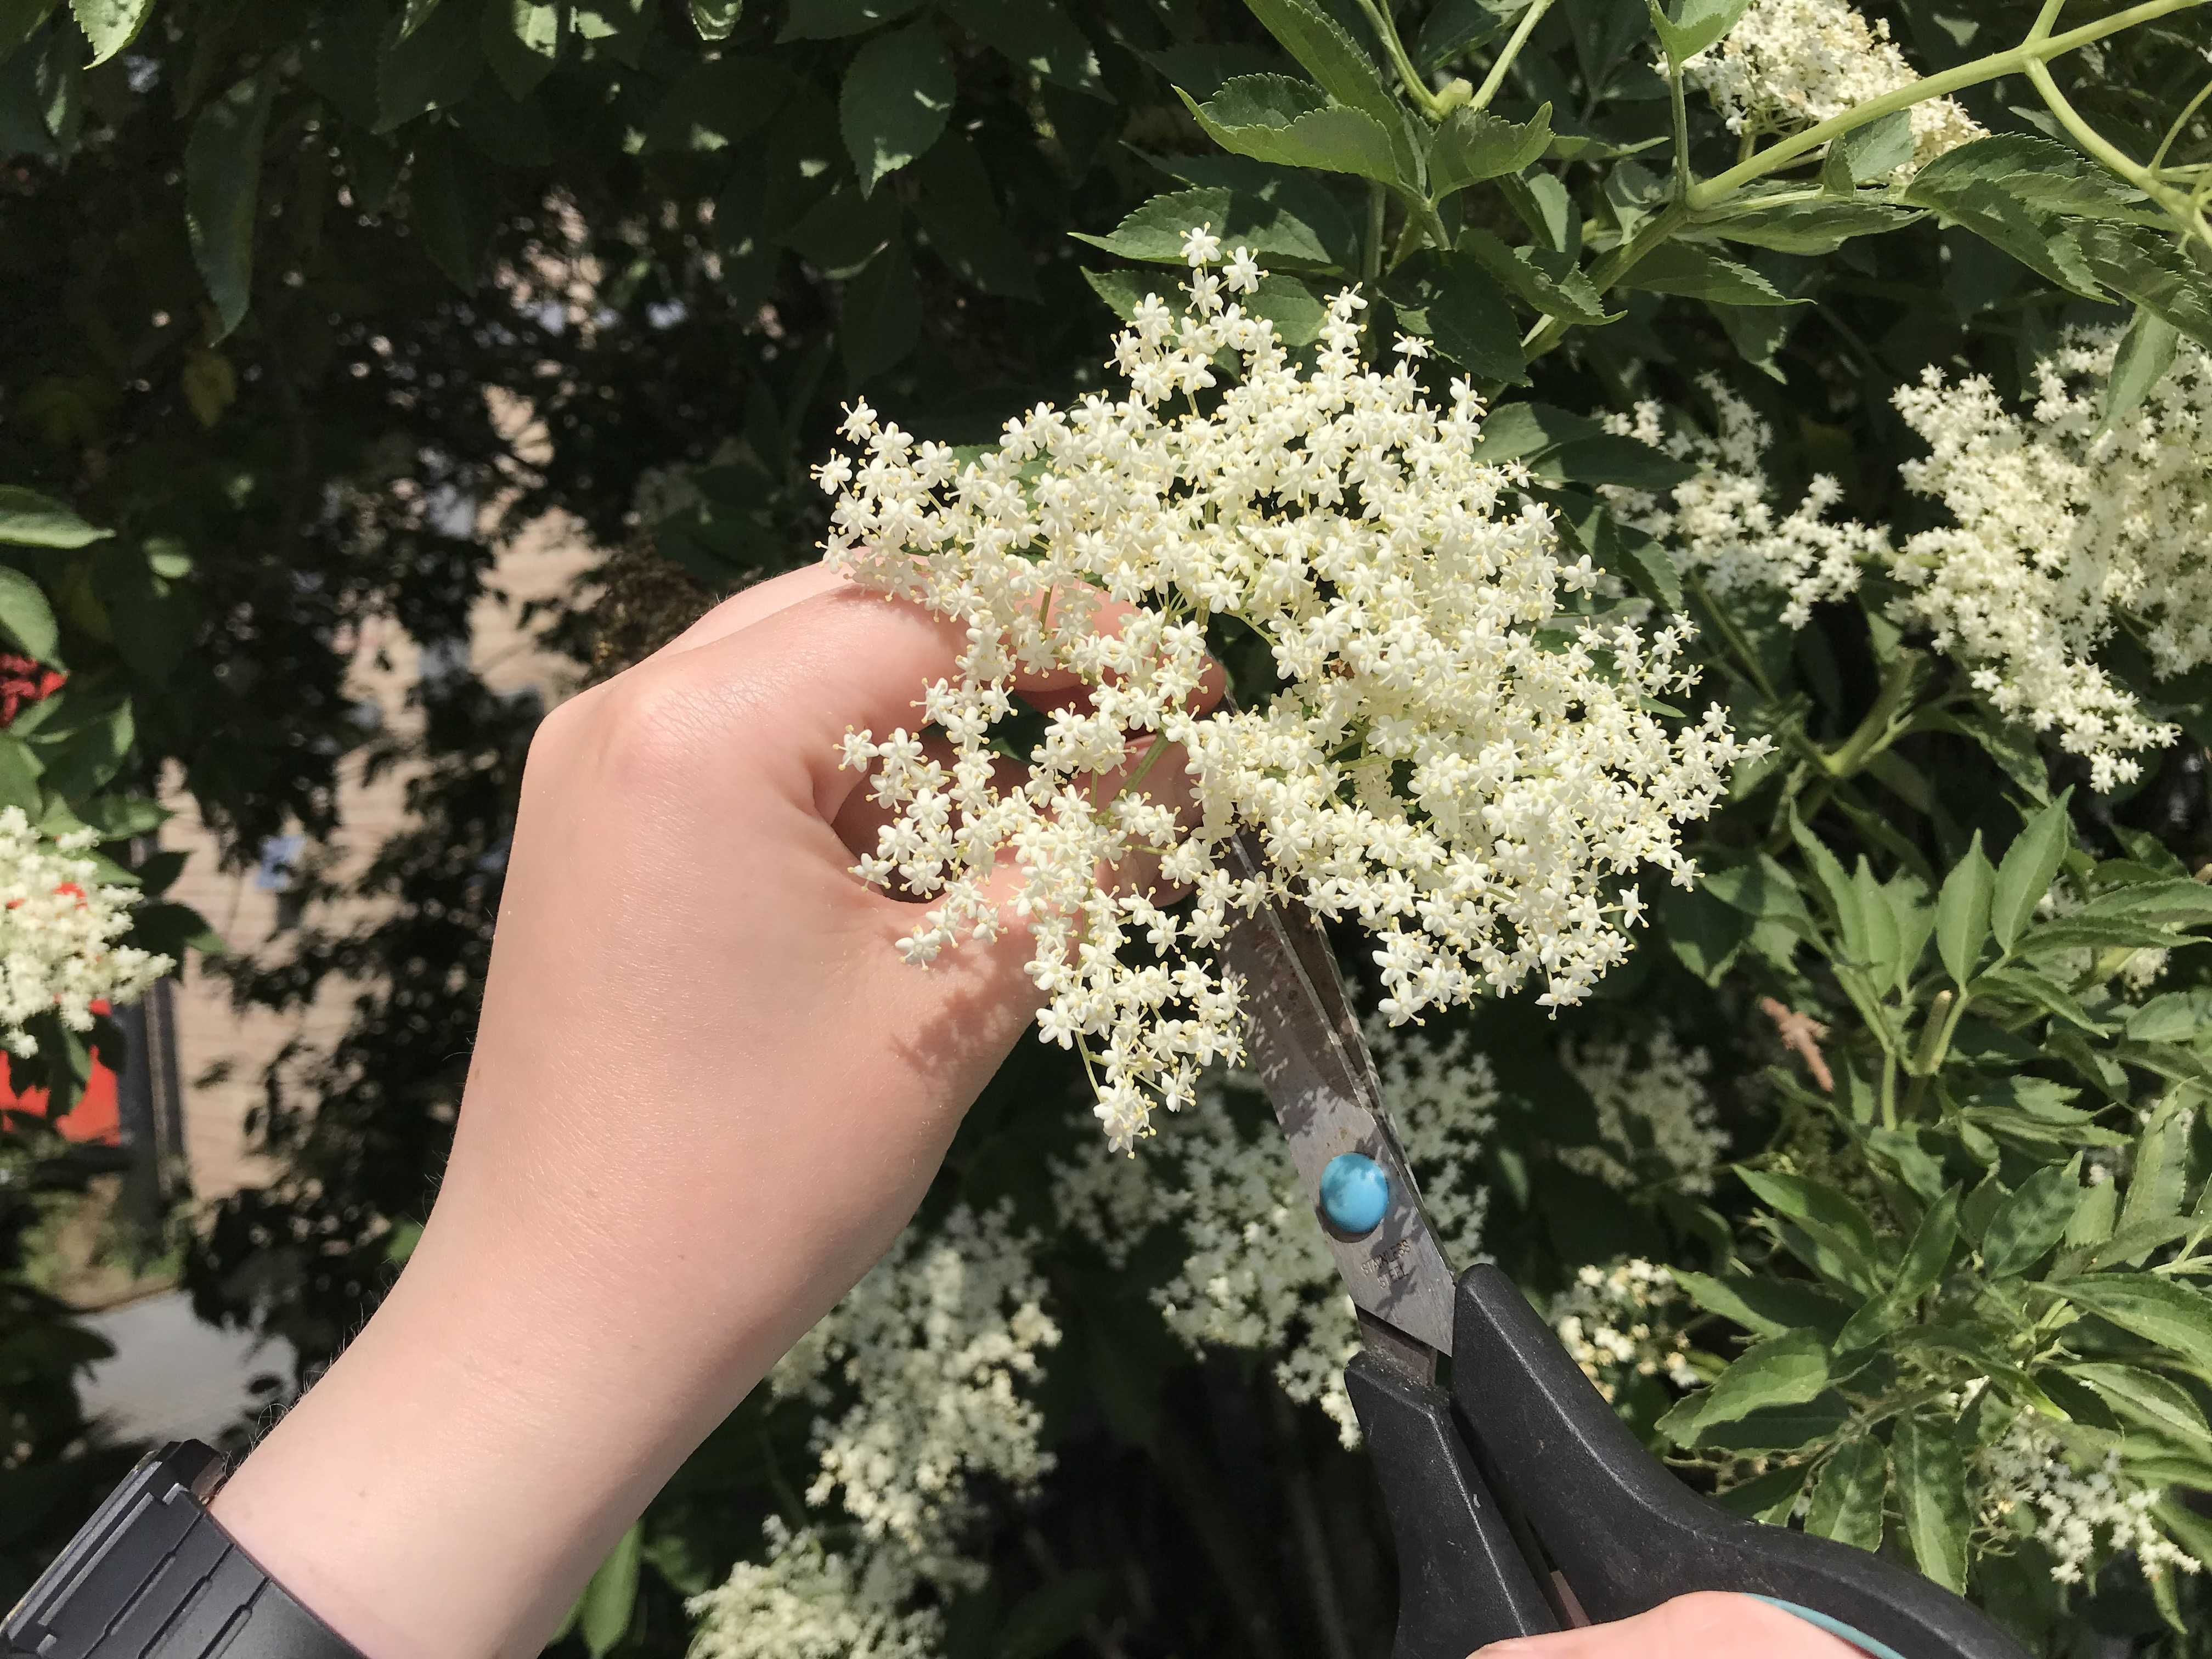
pixel 223 1052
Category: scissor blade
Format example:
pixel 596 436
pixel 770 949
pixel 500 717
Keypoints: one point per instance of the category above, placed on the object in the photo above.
pixel 1315 1068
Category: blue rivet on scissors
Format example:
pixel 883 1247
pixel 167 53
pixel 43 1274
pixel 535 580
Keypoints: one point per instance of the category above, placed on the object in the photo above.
pixel 1354 1194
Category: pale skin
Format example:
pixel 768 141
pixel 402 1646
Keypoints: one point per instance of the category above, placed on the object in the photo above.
pixel 707 1094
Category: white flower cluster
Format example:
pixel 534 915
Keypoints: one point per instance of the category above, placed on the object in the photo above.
pixel 1451 756
pixel 1656 1118
pixel 58 925
pixel 1625 1321
pixel 935 1347
pixel 807 1602
pixel 2059 533
pixel 1721 524
pixel 1792 63
pixel 2030 1467
pixel 1259 1275
pixel 928 1357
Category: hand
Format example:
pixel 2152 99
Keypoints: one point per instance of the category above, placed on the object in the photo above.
pixel 1707 1626
pixel 706 1094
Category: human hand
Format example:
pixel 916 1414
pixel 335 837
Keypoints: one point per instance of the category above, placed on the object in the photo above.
pixel 706 1094
pixel 1706 1626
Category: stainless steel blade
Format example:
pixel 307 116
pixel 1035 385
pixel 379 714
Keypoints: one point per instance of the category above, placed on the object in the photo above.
pixel 1306 1048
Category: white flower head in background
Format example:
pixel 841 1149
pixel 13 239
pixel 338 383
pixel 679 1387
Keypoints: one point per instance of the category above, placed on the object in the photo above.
pixel 1793 64
pixel 1625 1321
pixel 1452 754
pixel 1656 1122
pixel 58 925
pixel 808 1602
pixel 2084 1518
pixel 2061 532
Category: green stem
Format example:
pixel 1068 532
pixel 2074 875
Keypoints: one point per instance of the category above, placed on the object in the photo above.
pixel 1370 255
pixel 2173 132
pixel 1888 1087
pixel 2114 158
pixel 1972 74
pixel 1610 270
pixel 1425 100
pixel 1684 179
pixel 1511 51
pixel 1880 726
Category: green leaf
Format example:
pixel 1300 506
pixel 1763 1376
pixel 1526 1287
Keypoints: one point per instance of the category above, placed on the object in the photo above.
pixel 1817 227
pixel 2159 1181
pixel 882 315
pixel 896 97
pixel 1473 144
pixel 1838 1239
pixel 30 520
pixel 1884 939
pixel 1789 1370
pixel 1847 1502
pixel 715 18
pixel 2081 933
pixel 2145 1397
pixel 1549 281
pixel 450 207
pixel 714 104
pixel 19 774
pixel 222 183
pixel 1973 187
pixel 2158 1309
pixel 1050 1617
pixel 2093 1220
pixel 959 213
pixel 1962 913
pixel 1037 35
pixel 2177 899
pixel 1465 317
pixel 414 13
pixel 605 1610
pixel 522 42
pixel 1346 72
pixel 2030 866
pixel 19 20
pixel 2032 1220
pixel 2141 263
pixel 1693 25
pixel 1931 1491
pixel 1154 230
pixel 1272 118
pixel 826 20
pixel 434 67
pixel 1925 1258
pixel 1295 310
pixel 1868 153
pixel 1699 273
pixel 1768 1498
pixel 25 616
pixel 2019 984
pixel 2146 352
pixel 1768 1307
pixel 110 25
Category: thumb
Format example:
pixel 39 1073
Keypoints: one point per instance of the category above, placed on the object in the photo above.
pixel 1709 1625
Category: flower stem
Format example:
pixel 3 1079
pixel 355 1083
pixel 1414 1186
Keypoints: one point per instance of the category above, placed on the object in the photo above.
pixel 1508 52
pixel 2116 159
pixel 1880 726
pixel 1424 99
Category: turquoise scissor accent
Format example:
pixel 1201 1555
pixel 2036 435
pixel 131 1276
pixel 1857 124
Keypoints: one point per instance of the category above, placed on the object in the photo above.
pixel 1857 1638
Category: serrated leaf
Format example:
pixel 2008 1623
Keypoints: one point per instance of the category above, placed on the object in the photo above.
pixel 1699 273
pixel 1789 1370
pixel 222 187
pixel 2080 932
pixel 450 207
pixel 1884 939
pixel 1274 118
pixel 1828 1217
pixel 432 67
pixel 1931 1491
pixel 1768 1307
pixel 1295 310
pixel 1925 1258
pixel 609 1599
pixel 827 20
pixel 2145 1397
pixel 25 616
pixel 2030 866
pixel 1962 913
pixel 1814 227
pixel 2158 1182
pixel 896 98
pixel 110 25
pixel 1472 144
pixel 959 213
pixel 2142 263
pixel 1868 153
pixel 1153 232
pixel 522 42
pixel 1549 281
pixel 1035 34
pixel 2158 1309
pixel 1346 72
pixel 1837 888
pixel 1973 187
pixel 30 520
pixel 2032 1221
pixel 1468 320
pixel 2146 352
pixel 2020 984
pixel 882 315
pixel 715 19
pixel 1847 1500
pixel 19 20
pixel 1689 27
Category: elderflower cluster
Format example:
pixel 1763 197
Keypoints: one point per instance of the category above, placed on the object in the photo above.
pixel 1656 1122
pixel 58 925
pixel 1792 63
pixel 1451 754
pixel 2060 533
pixel 1721 524
pixel 2081 1518
pixel 934 1348
pixel 1625 1321
pixel 1258 1275
pixel 807 1602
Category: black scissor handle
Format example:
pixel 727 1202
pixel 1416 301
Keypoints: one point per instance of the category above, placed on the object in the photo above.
pixel 1625 1534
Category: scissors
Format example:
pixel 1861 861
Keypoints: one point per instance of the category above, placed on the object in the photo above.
pixel 1519 1502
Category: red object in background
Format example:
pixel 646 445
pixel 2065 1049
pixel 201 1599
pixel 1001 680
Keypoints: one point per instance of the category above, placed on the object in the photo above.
pixel 25 680
pixel 96 1117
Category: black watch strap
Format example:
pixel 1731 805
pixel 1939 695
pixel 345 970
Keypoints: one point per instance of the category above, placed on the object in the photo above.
pixel 151 1575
